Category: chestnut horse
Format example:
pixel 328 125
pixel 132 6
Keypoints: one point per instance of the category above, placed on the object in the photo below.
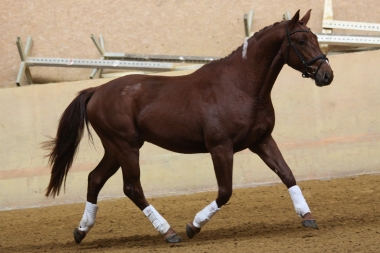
pixel 222 108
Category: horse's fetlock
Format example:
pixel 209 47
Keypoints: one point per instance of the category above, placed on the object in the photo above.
pixel 299 201
pixel 205 215
pixel 159 223
pixel 89 217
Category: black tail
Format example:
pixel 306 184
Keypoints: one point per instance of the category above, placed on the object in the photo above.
pixel 65 145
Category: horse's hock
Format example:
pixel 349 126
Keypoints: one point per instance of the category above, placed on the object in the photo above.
pixel 322 132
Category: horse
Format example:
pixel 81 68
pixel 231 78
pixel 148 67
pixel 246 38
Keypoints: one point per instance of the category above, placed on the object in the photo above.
pixel 222 108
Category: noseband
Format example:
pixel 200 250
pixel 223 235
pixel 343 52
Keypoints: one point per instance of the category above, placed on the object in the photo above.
pixel 308 71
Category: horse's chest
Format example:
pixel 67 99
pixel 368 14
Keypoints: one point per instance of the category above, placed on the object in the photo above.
pixel 259 126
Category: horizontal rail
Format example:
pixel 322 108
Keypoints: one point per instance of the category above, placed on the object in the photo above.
pixel 351 25
pixel 349 40
pixel 169 58
pixel 101 64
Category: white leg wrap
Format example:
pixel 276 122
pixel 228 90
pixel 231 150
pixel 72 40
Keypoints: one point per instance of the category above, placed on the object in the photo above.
pixel 299 201
pixel 205 215
pixel 159 223
pixel 89 217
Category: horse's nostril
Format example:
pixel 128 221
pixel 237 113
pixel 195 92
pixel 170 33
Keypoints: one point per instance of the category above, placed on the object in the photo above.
pixel 326 77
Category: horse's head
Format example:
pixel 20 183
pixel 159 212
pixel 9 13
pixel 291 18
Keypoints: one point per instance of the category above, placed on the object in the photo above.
pixel 302 52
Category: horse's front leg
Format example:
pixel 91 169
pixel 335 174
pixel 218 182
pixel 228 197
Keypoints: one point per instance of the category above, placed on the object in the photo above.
pixel 222 157
pixel 271 155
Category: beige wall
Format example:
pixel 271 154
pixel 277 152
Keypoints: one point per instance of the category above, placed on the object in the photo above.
pixel 189 27
pixel 324 132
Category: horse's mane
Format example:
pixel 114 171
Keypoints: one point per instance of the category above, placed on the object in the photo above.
pixel 256 35
pixel 265 28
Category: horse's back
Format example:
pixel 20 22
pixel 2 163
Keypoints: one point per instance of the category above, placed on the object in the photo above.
pixel 159 109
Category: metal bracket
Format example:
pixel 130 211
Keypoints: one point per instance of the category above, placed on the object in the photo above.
pixel 248 23
pixel 23 56
pixel 101 50
pixel 286 16
pixel 360 41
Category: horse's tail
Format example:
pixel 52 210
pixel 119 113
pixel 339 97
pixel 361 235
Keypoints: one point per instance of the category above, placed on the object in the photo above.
pixel 64 146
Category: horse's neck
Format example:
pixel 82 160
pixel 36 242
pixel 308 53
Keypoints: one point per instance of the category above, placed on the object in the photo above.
pixel 261 62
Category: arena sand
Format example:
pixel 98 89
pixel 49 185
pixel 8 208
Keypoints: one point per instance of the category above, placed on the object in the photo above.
pixel 260 219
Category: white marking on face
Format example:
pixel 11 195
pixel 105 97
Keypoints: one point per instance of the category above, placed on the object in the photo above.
pixel 245 47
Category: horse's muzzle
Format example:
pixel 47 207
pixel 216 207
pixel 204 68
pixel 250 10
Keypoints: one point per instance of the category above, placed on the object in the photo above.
pixel 324 78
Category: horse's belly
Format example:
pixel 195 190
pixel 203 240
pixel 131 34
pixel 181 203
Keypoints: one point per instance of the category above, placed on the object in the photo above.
pixel 174 137
pixel 184 149
pixel 178 145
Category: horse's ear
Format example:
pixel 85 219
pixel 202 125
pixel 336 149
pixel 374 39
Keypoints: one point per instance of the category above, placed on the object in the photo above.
pixel 306 18
pixel 294 19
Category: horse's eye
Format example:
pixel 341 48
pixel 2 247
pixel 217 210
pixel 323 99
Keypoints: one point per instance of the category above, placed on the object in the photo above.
pixel 301 42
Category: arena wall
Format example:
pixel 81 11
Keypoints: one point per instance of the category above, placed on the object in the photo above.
pixel 323 133
pixel 62 29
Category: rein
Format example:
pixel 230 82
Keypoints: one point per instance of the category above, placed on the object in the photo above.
pixel 308 71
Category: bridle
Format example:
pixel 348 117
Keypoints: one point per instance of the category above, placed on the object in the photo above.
pixel 308 71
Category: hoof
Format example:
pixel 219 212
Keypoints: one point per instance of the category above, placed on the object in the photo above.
pixel 310 224
pixel 190 231
pixel 174 238
pixel 78 235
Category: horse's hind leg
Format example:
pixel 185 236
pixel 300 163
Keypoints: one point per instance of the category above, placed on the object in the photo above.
pixel 96 180
pixel 129 160
pixel 271 155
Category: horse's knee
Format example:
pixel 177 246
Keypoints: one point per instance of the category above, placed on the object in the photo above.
pixel 129 190
pixel 224 195
pixel 135 194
